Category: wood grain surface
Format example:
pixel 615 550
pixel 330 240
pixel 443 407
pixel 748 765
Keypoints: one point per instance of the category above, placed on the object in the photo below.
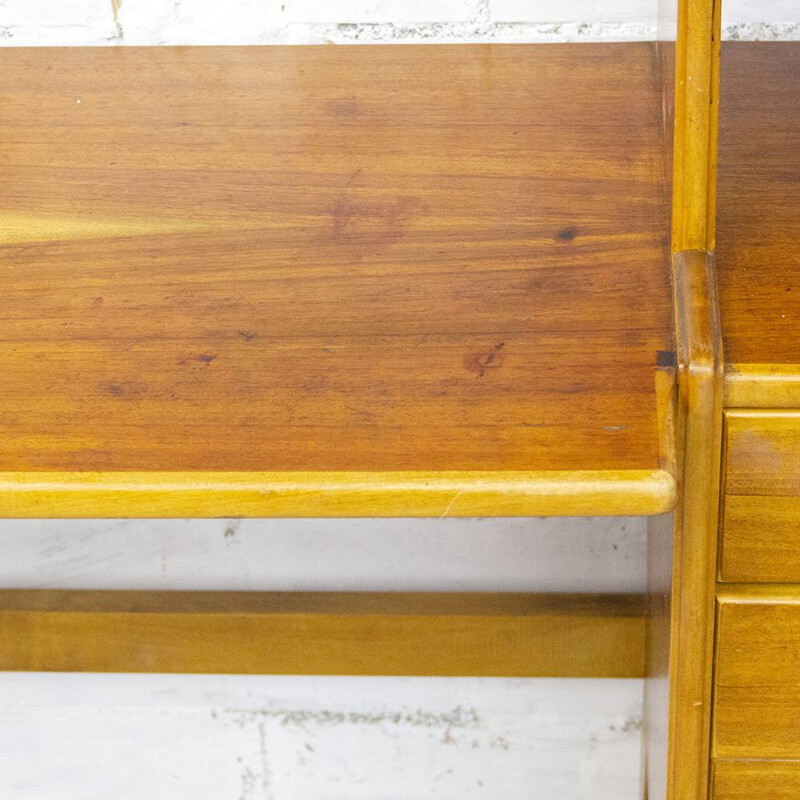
pixel 761 504
pixel 358 259
pixel 757 676
pixel 762 385
pixel 696 98
pixel 758 227
pixel 694 563
pixel 761 539
pixel 752 780
pixel 323 633
pixel 762 452
pixel 682 556
pixel 75 495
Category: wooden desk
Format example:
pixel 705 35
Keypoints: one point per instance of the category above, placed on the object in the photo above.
pixel 408 281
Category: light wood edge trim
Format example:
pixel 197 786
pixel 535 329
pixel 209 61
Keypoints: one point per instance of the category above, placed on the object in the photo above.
pixel 734 760
pixel 723 483
pixel 767 593
pixel 762 413
pixel 335 494
pixel 700 368
pixel 696 125
pixel 762 385
pixel 715 678
pixel 324 634
pixel 667 414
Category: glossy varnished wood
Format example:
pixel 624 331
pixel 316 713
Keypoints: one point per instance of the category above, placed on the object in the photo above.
pixel 340 494
pixel 323 633
pixel 762 452
pixel 756 780
pixel 757 676
pixel 758 230
pixel 758 626
pixel 695 130
pixel 336 260
pixel 762 385
pixel 761 519
pixel 761 539
pixel 682 557
pixel 699 434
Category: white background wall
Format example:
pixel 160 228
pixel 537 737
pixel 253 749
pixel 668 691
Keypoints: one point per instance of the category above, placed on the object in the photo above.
pixel 84 737
pixel 81 22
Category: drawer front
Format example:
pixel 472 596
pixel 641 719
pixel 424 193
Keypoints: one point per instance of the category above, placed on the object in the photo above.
pixel 761 506
pixel 756 780
pixel 757 676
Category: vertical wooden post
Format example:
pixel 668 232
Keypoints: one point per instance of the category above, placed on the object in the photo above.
pixel 682 772
pixel 695 527
pixel 700 366
pixel 696 116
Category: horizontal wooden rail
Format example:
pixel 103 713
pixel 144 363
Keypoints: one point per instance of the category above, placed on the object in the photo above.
pixel 514 635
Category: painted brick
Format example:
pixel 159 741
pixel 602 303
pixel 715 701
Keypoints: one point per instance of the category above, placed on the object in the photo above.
pixel 768 11
pixel 198 21
pixel 577 11
pixel 97 22
pixel 397 12
pixel 57 22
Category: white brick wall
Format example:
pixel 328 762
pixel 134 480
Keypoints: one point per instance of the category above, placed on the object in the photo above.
pixel 68 22
pixel 761 20
pixel 636 12
pixel 397 12
pixel 97 22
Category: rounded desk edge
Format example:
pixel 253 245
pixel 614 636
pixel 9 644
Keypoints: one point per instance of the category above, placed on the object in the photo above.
pixel 336 494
